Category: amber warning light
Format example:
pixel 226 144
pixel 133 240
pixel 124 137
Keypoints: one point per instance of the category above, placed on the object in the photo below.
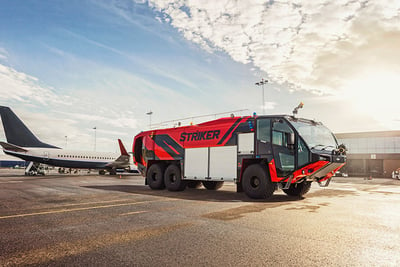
pixel 295 110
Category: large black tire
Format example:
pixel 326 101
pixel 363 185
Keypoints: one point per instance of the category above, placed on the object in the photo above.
pixel 212 185
pixel 155 176
pixel 298 190
pixel 194 184
pixel 256 182
pixel 173 178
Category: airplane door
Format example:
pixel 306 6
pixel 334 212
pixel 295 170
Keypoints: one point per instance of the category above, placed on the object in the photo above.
pixel 46 156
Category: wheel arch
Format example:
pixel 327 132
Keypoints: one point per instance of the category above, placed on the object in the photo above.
pixel 163 163
pixel 247 162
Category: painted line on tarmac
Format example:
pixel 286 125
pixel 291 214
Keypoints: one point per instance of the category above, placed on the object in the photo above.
pixel 94 202
pixel 78 209
pixel 134 212
pixel 11 182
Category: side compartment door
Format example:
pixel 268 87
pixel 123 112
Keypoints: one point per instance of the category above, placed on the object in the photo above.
pixel 223 162
pixel 196 163
pixel 211 163
pixel 246 143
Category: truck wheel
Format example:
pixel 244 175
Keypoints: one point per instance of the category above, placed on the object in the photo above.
pixel 298 190
pixel 212 185
pixel 155 177
pixel 173 179
pixel 194 184
pixel 256 182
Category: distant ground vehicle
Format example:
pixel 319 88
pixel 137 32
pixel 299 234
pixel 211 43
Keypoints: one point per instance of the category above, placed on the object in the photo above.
pixel 258 153
pixel 396 174
pixel 341 174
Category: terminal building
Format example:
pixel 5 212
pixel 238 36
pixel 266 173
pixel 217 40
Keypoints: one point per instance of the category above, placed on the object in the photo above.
pixel 375 154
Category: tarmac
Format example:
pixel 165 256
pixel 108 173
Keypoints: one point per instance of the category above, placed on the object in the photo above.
pixel 91 220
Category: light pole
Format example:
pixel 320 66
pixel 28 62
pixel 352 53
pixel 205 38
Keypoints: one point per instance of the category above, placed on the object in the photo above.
pixel 149 113
pixel 66 141
pixel 95 128
pixel 261 83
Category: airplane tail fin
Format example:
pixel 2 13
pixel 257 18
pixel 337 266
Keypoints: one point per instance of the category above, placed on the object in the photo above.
pixel 123 160
pixel 122 148
pixel 16 131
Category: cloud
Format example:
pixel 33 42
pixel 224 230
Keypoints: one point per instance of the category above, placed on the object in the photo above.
pixel 23 92
pixel 344 48
pixel 270 105
pixel 3 54
pixel 295 42
pixel 120 121
pixel 132 57
pixel 18 86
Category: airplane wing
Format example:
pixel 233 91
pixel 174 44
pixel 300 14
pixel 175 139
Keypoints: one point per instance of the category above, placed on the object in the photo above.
pixel 11 147
pixel 123 160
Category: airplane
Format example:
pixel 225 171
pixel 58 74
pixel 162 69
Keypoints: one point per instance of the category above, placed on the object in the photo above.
pixel 22 143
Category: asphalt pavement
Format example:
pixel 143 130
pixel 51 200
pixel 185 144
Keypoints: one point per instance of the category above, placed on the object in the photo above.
pixel 91 220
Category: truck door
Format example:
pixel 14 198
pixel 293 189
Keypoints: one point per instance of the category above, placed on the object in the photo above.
pixel 283 150
pixel 148 148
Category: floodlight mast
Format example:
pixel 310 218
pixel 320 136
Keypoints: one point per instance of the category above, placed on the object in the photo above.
pixel 149 114
pixel 261 83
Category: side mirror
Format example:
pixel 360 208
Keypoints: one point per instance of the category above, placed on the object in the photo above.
pixel 291 139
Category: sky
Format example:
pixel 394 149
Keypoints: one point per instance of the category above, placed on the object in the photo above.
pixel 69 66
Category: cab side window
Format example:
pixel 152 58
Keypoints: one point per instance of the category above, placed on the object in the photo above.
pixel 264 130
pixel 303 154
pixel 280 134
pixel 278 138
pixel 264 137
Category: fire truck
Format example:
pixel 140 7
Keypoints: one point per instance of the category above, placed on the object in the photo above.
pixel 258 153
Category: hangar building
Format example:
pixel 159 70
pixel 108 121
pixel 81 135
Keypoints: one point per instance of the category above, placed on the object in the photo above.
pixel 375 154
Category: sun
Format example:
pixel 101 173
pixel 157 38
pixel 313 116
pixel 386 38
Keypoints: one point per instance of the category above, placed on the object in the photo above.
pixel 376 94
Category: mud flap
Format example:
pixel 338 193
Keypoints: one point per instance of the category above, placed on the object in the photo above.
pixel 326 183
pixel 288 183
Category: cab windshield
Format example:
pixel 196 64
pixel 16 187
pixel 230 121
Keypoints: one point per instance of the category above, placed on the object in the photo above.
pixel 316 135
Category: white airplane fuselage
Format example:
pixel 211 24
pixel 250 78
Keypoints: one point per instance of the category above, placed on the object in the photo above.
pixel 67 158
pixel 22 143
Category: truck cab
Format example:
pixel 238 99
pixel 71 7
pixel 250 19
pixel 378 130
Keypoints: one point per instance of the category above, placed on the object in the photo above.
pixel 295 144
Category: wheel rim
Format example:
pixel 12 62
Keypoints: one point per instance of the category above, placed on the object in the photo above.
pixel 153 177
pixel 172 178
pixel 255 182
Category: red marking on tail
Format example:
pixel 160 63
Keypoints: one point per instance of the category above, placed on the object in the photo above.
pixel 122 148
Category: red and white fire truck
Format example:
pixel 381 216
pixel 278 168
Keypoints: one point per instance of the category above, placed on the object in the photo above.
pixel 258 153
